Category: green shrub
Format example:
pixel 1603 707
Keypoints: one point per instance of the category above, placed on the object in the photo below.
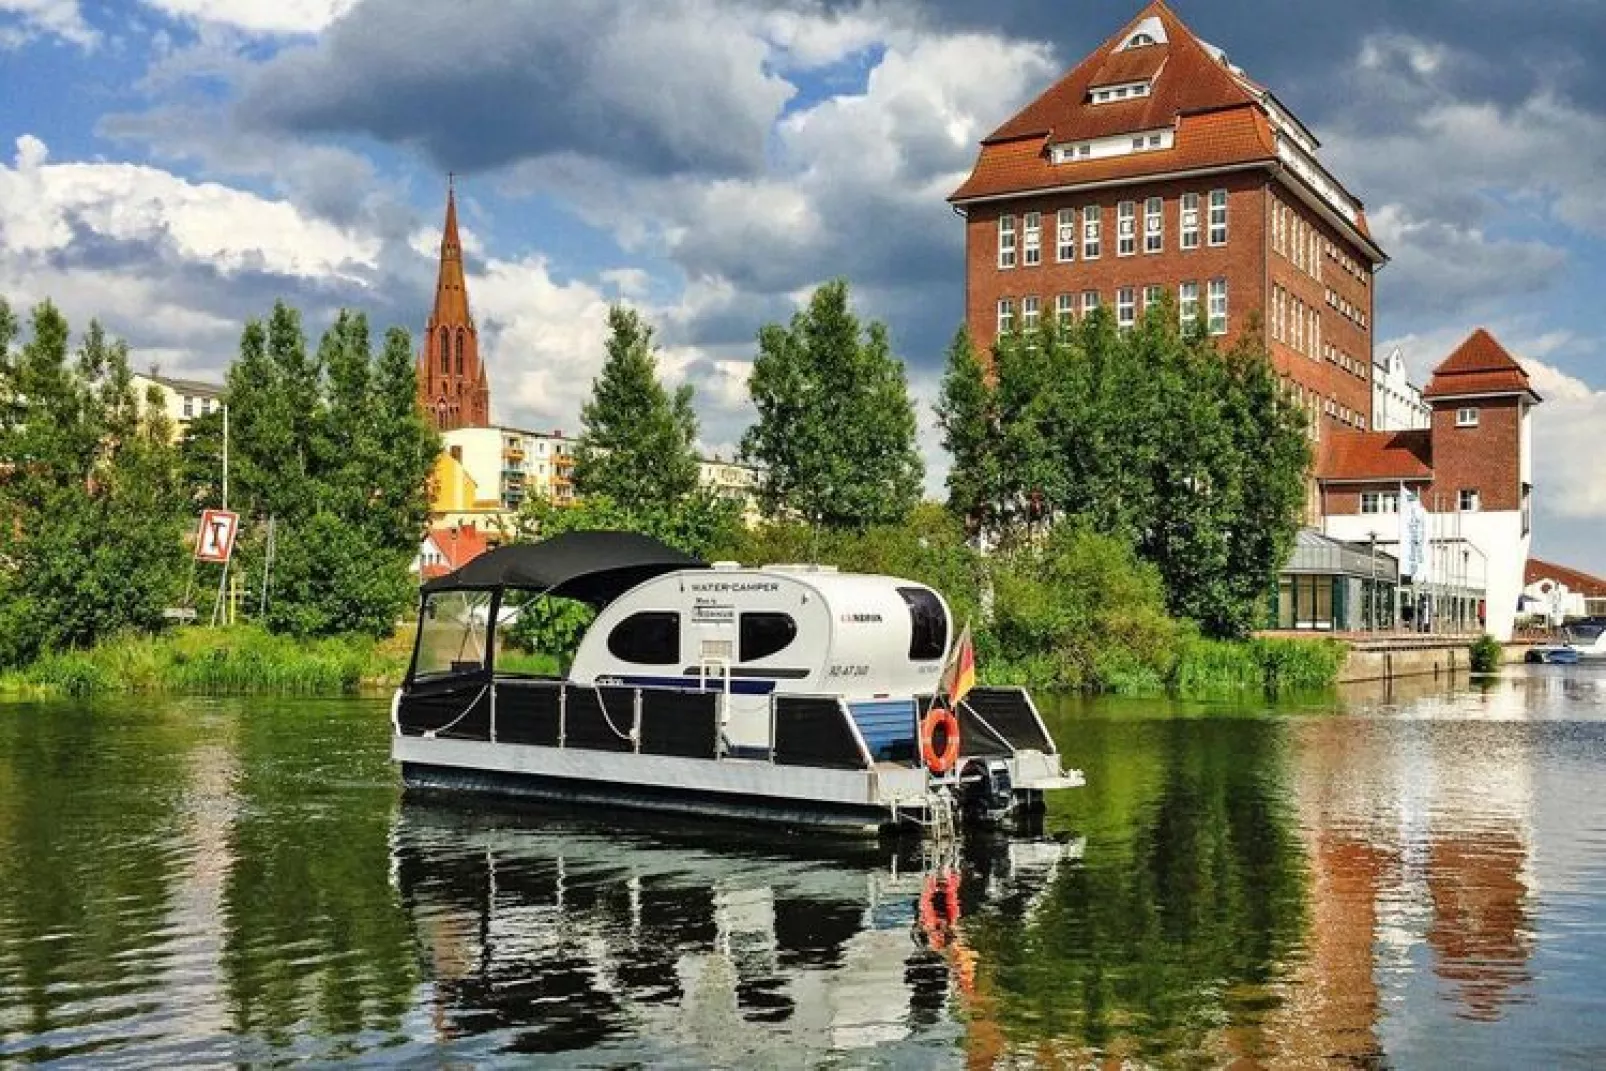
pixel 1486 654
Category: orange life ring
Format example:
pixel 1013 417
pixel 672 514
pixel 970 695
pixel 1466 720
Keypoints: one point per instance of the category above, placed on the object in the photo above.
pixel 939 762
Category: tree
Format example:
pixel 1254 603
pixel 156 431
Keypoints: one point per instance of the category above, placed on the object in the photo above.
pixel 967 415
pixel 638 443
pixel 91 501
pixel 1193 457
pixel 835 431
pixel 336 451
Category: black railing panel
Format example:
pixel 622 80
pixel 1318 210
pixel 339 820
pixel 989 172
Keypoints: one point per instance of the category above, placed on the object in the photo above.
pixel 815 731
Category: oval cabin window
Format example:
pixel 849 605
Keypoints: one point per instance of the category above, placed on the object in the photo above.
pixel 928 625
pixel 650 638
pixel 765 634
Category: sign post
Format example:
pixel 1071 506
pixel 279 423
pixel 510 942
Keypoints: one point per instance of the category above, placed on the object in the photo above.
pixel 215 543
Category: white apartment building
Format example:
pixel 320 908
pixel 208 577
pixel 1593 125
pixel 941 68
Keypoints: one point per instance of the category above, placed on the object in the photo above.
pixel 1397 403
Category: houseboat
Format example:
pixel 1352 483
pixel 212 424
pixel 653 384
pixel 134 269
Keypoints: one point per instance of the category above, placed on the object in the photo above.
pixel 793 694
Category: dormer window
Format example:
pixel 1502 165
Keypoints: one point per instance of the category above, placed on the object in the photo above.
pixel 1125 91
pixel 1139 40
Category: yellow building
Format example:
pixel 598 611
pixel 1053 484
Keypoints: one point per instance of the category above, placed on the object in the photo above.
pixel 182 399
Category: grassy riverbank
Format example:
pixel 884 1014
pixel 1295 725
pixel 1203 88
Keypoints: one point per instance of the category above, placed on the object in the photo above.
pixel 250 661
pixel 243 660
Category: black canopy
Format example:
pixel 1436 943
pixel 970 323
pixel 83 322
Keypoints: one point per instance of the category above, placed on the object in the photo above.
pixel 592 566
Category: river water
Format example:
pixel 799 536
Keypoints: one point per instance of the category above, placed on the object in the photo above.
pixel 1414 878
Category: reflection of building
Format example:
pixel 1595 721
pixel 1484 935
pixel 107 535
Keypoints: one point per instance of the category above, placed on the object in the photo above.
pixel 1420 885
pixel 1157 167
pixel 182 399
pixel 452 385
pixel 1472 471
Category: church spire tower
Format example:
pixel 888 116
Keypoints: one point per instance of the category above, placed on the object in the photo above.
pixel 452 385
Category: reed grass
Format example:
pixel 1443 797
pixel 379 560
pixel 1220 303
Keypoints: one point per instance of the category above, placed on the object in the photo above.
pixel 243 660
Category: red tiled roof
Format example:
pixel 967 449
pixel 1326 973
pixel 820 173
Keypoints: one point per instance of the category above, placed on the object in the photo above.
pixel 1194 80
pixel 1226 138
pixel 1377 455
pixel 458 545
pixel 1537 569
pixel 1480 365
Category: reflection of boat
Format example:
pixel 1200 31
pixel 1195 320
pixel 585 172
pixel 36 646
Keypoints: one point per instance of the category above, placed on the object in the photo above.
pixel 1552 655
pixel 789 693
pixel 553 933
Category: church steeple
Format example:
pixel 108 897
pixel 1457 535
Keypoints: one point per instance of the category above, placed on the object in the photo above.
pixel 452 384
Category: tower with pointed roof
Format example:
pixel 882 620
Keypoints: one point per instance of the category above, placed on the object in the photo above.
pixel 1155 166
pixel 452 384
pixel 1471 469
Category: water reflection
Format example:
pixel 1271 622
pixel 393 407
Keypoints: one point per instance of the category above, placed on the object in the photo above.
pixel 558 935
pixel 1395 877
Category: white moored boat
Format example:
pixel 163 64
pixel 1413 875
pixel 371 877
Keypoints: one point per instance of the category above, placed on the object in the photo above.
pixel 794 694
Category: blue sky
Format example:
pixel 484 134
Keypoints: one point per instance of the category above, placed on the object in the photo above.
pixel 173 166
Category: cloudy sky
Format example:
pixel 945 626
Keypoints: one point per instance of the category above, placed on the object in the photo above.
pixel 173 166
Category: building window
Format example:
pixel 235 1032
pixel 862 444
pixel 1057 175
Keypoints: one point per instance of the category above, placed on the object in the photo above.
pixel 1468 500
pixel 1064 308
pixel 1092 232
pixel 1380 502
pixel 1153 225
pixel 1151 298
pixel 1279 305
pixel 1029 313
pixel 1006 241
pixel 189 407
pixel 1126 301
pixel 446 352
pixel 1006 316
pixel 1218 306
pixel 1190 221
pixel 460 351
pixel 1218 217
pixel 1466 417
pixel 1065 236
pixel 1034 238
pixel 1188 304
pixel 1090 301
pixel 1126 229
pixel 1527 508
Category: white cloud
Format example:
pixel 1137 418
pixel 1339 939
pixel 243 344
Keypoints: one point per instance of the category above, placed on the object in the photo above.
pixel 44 204
pixel 60 18
pixel 1568 429
pixel 265 17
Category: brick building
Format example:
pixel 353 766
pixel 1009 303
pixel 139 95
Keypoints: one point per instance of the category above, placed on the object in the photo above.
pixel 1471 471
pixel 452 385
pixel 1157 166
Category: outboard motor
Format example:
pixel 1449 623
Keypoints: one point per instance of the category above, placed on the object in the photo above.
pixel 988 792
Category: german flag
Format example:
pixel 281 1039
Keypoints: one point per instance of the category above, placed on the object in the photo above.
pixel 960 675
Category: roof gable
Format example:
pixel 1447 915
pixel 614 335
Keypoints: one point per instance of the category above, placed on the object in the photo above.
pixel 1188 78
pixel 1480 365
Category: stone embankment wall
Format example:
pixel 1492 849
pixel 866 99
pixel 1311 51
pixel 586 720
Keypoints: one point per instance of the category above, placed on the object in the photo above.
pixel 1379 660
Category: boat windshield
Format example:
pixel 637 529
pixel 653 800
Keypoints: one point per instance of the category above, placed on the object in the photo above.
pixel 452 633
pixel 1585 633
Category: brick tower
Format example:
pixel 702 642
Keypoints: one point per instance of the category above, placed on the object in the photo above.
pixel 452 386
